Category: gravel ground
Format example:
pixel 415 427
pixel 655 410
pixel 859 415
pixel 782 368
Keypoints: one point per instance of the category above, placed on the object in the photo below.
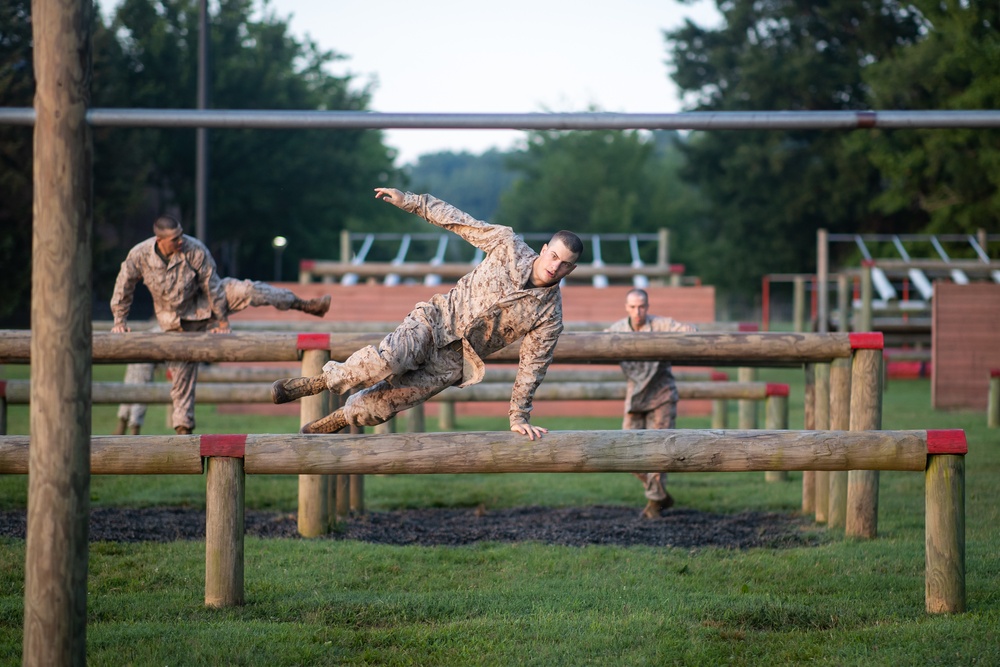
pixel 579 526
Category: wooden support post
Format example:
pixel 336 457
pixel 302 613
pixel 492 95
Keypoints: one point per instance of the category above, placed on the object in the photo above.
pixel 314 512
pixel 843 304
pixel 224 529
pixel 822 281
pixel 809 424
pixel 720 413
pixel 343 506
pixel 840 420
pixel 417 419
pixel 56 549
pixel 798 304
pixel 822 479
pixel 993 409
pixel 747 408
pixel 866 415
pixel 3 412
pixel 446 415
pixel 776 418
pixel 863 322
pixel 945 534
pixel 357 503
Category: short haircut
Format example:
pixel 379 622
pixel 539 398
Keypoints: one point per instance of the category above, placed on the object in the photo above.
pixel 640 292
pixel 570 240
pixel 165 224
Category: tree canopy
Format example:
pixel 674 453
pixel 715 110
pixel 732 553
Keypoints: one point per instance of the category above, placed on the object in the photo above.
pixel 305 185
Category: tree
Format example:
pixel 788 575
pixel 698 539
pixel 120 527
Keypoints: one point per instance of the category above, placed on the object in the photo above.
pixel 769 191
pixel 944 181
pixel 305 185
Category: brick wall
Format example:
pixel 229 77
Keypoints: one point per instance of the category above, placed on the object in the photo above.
pixel 965 343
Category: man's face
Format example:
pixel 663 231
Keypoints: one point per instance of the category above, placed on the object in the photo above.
pixel 169 245
pixel 554 263
pixel 637 307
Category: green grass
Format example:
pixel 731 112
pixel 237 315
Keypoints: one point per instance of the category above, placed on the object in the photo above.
pixel 845 602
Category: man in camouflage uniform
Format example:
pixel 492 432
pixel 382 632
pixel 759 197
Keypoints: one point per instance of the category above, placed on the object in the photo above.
pixel 651 395
pixel 189 295
pixel 512 295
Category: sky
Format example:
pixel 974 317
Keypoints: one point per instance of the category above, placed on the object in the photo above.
pixel 511 56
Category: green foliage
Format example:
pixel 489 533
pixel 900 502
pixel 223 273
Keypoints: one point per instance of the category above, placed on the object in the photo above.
pixel 473 183
pixel 946 180
pixel 306 185
pixel 599 182
pixel 769 191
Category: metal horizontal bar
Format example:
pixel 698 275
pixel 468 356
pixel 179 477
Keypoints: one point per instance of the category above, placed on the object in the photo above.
pixel 344 120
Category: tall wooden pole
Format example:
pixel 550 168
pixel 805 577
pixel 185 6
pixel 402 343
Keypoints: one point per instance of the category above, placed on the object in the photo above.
pixel 944 518
pixel 225 499
pixel 55 581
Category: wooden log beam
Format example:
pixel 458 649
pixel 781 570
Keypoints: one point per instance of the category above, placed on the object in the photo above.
pixel 18 392
pixel 671 450
pixel 716 349
pixel 119 455
pixel 676 450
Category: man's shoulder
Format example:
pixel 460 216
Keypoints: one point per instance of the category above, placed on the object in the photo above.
pixel 620 325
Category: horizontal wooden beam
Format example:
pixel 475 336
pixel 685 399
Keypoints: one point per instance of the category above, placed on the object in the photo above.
pixel 716 349
pixel 674 450
pixel 119 455
pixel 18 392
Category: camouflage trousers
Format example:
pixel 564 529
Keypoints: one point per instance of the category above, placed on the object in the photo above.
pixel 135 413
pixel 664 416
pixel 242 294
pixel 405 370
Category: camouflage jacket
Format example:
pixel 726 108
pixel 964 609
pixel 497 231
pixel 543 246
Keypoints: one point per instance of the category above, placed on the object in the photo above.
pixel 492 306
pixel 185 287
pixel 650 383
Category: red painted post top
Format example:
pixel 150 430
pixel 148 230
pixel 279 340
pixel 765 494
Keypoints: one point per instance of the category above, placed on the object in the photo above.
pixel 313 341
pixel 868 262
pixel 868 340
pixel 746 327
pixel 677 268
pixel 776 389
pixel 947 441
pixel 233 446
pixel 995 372
pixel 307 264
pixel 720 376
pixel 3 389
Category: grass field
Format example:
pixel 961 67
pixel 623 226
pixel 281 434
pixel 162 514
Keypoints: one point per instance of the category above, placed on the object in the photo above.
pixel 844 602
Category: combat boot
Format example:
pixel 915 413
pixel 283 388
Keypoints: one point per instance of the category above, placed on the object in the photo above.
pixel 122 425
pixel 284 391
pixel 332 423
pixel 317 306
pixel 134 429
pixel 182 430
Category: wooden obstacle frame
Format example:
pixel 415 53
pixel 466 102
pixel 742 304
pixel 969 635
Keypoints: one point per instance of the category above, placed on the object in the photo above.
pixel 858 356
pixel 227 459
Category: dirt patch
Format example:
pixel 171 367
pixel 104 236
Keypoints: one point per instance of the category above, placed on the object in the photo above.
pixel 578 526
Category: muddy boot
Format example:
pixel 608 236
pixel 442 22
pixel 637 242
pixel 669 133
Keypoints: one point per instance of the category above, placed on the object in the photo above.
pixel 317 306
pixel 182 430
pixel 332 423
pixel 134 429
pixel 284 391
pixel 122 425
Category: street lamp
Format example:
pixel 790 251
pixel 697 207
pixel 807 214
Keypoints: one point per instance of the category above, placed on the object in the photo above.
pixel 278 243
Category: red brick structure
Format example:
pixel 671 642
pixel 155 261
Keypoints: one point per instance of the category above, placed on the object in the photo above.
pixel 965 337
